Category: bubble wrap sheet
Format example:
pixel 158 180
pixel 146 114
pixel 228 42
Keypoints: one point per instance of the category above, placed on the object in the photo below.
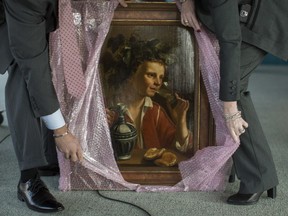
pixel 207 170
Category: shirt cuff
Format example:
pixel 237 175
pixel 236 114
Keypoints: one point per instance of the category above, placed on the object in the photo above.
pixel 54 120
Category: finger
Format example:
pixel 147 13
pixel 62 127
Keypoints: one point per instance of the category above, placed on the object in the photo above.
pixel 235 137
pixel 80 154
pixel 186 106
pixel 109 112
pixel 238 132
pixel 242 132
pixel 190 21
pixel 184 21
pixel 233 134
pixel 67 155
pixel 245 124
pixel 196 24
pixel 74 157
pixel 123 3
pixel 59 149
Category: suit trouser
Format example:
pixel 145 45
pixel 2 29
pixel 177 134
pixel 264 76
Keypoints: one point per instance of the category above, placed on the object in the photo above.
pixel 29 91
pixel 33 142
pixel 253 161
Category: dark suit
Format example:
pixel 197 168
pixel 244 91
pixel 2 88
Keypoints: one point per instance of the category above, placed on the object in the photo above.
pixel 29 89
pixel 5 53
pixel 242 48
pixel 265 28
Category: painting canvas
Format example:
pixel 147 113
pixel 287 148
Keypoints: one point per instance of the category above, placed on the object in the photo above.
pixel 150 79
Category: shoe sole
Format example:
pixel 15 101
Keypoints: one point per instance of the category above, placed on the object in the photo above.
pixel 241 203
pixel 22 199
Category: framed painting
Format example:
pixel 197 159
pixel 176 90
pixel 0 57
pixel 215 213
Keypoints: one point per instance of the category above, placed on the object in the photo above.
pixel 157 107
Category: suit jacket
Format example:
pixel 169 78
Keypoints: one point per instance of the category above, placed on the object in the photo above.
pixel 32 57
pixel 263 26
pixel 2 17
pixel 5 54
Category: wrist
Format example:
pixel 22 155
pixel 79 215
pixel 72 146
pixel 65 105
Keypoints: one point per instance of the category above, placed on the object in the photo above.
pixel 230 107
pixel 60 135
pixel 233 116
pixel 60 132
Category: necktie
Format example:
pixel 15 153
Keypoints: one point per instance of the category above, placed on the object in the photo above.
pixel 73 71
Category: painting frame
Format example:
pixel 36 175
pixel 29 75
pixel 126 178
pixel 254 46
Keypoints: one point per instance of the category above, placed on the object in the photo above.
pixel 157 15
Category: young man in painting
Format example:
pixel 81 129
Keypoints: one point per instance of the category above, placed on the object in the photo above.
pixel 141 66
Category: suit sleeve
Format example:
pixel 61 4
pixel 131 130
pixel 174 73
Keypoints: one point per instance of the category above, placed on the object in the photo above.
pixel 225 16
pixel 2 16
pixel 5 53
pixel 29 47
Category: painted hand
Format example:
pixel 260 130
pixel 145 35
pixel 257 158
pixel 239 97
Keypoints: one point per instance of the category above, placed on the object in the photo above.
pixel 179 112
pixel 111 115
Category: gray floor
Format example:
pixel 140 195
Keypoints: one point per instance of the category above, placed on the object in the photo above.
pixel 269 88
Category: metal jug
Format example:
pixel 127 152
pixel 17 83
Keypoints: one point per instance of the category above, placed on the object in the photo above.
pixel 123 134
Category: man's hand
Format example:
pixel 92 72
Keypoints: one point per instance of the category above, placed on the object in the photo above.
pixel 188 15
pixel 122 3
pixel 68 144
pixel 235 123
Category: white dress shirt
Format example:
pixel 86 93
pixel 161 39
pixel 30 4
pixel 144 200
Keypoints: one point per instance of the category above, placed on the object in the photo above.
pixel 54 120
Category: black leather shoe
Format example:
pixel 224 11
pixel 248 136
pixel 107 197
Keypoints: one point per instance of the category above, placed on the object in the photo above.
pixel 249 199
pixel 50 170
pixel 37 196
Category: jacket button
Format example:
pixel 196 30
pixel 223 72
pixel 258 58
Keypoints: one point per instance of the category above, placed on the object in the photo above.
pixel 243 13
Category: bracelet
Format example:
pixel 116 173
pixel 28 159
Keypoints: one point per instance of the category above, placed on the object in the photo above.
pixel 60 135
pixel 233 116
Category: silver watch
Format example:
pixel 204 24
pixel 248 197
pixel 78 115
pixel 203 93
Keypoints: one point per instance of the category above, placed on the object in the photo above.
pixel 182 1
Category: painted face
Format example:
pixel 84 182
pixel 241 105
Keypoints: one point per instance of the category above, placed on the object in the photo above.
pixel 148 78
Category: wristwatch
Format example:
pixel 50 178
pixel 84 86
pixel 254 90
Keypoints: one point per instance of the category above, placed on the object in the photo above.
pixel 182 1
